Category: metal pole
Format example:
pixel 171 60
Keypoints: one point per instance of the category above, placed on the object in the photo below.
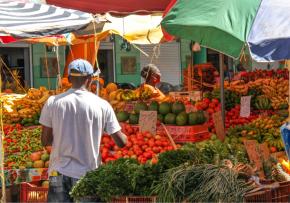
pixel 222 95
pixel 191 68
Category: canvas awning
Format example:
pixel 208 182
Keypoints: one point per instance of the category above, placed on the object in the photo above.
pixel 114 6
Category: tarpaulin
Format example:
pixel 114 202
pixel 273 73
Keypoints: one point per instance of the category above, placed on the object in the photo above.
pixel 115 6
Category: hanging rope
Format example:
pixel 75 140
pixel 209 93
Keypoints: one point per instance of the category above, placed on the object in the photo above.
pixel 96 57
pixel 2 174
pixel 58 76
pixel 46 68
pixel 13 76
pixel 156 53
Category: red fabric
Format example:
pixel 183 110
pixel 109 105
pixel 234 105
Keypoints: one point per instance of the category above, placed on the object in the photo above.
pixel 167 36
pixel 7 39
pixel 113 6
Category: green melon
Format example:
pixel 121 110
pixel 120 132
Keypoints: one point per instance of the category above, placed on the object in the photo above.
pixel 193 118
pixel 160 118
pixel 181 119
pixel 201 117
pixel 164 108
pixel 134 118
pixel 140 106
pixel 153 106
pixel 122 116
pixel 170 118
pixel 178 107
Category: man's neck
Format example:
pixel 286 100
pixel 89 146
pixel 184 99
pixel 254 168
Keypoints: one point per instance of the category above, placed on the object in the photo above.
pixel 83 87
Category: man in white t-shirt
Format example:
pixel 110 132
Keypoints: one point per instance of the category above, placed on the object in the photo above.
pixel 73 123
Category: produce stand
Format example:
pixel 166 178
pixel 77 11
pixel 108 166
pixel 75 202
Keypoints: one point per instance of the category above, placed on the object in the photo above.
pixel 262 126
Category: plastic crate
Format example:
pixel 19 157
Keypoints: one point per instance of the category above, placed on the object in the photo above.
pixel 32 193
pixel 276 194
pixel 134 199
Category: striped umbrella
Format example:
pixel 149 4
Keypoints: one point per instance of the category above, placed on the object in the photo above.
pixel 30 20
pixel 230 25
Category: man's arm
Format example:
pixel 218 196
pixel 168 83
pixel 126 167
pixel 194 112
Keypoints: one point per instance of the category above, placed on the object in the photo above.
pixel 46 136
pixel 120 139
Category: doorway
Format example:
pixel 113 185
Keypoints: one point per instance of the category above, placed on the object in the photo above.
pixel 106 64
pixel 16 60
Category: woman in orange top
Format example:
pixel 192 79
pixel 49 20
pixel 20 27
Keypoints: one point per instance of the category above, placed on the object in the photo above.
pixel 152 77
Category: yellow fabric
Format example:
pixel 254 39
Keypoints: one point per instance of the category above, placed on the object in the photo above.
pixel 137 29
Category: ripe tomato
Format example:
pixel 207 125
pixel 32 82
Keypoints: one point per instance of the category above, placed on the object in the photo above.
pixel 206 100
pixel 215 101
pixel 210 111
pixel 129 144
pixel 165 143
pixel 116 148
pixel 156 149
pixel 144 147
pixel 154 160
pixel 151 143
pixel 130 153
pixel 158 143
pixel 273 149
pixel 106 140
pixel 170 148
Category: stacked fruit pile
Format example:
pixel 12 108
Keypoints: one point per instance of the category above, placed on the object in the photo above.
pixel 263 129
pixel 264 74
pixel 19 145
pixel 118 97
pixel 168 113
pixel 39 159
pixel 140 146
pixel 26 110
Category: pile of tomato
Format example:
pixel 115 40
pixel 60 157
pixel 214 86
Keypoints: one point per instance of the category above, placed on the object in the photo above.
pixel 141 146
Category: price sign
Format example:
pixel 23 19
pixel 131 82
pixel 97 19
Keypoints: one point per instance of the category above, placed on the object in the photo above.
pixel 147 121
pixel 265 152
pixel 253 152
pixel 245 106
pixel 219 125
pixel 195 96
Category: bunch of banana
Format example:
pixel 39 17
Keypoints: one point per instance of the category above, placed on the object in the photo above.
pixel 283 87
pixel 117 105
pixel 146 93
pixel 279 102
pixel 262 103
pixel 238 86
pixel 128 95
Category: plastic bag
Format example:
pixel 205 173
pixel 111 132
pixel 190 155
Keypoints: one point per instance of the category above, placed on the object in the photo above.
pixel 285 133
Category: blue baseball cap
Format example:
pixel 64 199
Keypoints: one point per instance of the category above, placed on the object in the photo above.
pixel 82 67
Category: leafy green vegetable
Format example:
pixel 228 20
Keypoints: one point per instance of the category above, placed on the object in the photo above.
pixel 122 177
pixel 201 183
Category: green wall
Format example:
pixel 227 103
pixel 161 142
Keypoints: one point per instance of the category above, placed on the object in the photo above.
pixel 185 54
pixel 120 77
pixel 200 57
pixel 38 52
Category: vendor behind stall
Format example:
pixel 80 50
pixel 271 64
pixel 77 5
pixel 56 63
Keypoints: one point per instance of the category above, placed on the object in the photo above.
pixel 152 77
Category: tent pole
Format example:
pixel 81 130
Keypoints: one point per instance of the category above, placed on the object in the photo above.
pixel 222 95
pixel 191 68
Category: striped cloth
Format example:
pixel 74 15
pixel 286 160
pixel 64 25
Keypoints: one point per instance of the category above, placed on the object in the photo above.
pixel 28 20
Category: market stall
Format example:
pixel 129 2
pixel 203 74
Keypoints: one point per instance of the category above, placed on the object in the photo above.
pixel 173 143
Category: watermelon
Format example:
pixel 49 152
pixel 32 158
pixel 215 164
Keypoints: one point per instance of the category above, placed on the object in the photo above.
pixel 170 118
pixel 178 107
